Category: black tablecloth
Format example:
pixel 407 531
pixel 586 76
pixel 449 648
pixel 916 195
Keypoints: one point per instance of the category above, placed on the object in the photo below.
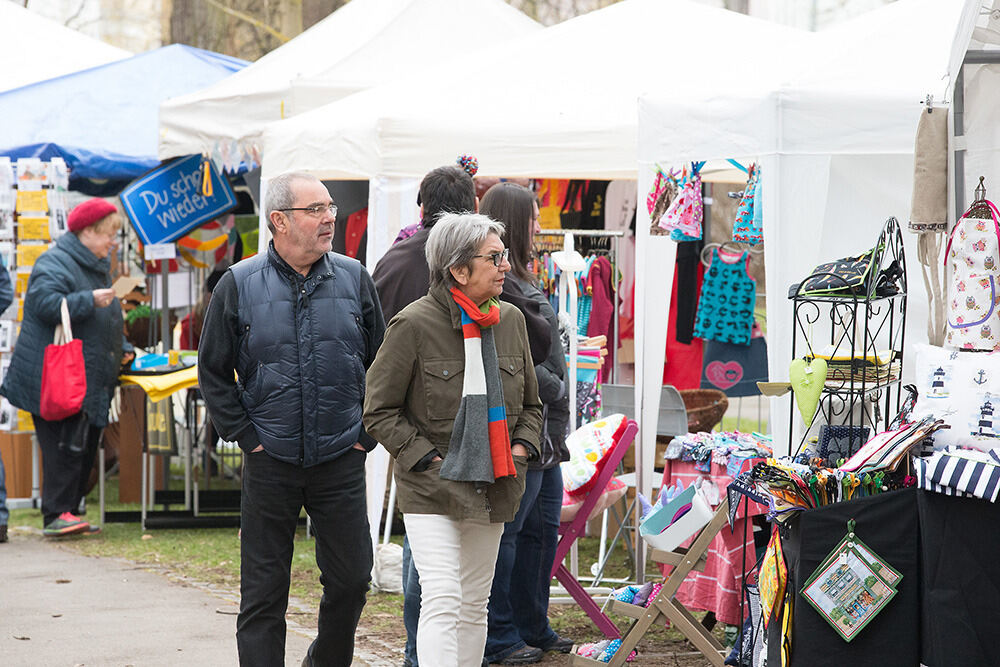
pixel 947 608
pixel 888 524
pixel 960 552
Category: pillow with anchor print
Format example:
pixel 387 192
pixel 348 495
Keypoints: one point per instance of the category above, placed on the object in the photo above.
pixel 963 389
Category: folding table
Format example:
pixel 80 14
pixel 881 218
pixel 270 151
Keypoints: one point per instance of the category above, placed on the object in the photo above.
pixel 664 606
pixel 571 530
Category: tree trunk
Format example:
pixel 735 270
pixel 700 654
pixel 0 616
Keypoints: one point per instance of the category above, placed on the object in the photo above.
pixel 314 11
pixel 290 17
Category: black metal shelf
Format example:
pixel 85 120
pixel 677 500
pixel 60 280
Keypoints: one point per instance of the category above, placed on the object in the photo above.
pixel 855 327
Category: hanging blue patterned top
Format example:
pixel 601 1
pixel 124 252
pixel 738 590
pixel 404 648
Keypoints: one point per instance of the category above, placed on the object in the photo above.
pixel 728 295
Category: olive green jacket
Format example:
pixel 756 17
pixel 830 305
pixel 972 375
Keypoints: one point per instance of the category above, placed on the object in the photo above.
pixel 413 395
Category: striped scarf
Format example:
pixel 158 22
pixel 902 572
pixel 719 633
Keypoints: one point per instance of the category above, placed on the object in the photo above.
pixel 479 450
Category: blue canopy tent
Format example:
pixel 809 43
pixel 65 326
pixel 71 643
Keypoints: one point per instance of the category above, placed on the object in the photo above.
pixel 104 121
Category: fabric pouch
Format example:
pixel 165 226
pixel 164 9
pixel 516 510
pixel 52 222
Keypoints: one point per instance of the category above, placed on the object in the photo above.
pixel 848 275
pixel 840 442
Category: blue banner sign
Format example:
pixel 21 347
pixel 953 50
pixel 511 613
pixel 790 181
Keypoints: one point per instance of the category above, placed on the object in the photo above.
pixel 167 203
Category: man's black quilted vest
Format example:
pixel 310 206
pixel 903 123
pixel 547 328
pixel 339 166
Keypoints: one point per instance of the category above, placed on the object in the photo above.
pixel 300 367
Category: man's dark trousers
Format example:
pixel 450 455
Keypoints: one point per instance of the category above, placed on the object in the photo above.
pixel 333 494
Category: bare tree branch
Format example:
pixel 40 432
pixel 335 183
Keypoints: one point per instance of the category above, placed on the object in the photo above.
pixel 249 19
pixel 68 22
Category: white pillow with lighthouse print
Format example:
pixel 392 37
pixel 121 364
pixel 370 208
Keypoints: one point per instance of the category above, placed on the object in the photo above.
pixel 963 389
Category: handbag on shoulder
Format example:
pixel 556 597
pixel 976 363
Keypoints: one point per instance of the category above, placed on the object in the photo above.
pixel 64 378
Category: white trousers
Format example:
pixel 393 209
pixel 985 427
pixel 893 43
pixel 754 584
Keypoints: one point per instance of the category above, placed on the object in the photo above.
pixel 455 560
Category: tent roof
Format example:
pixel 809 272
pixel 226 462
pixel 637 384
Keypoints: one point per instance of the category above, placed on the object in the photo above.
pixel 103 121
pixel 562 103
pixel 37 48
pixel 856 90
pixel 364 43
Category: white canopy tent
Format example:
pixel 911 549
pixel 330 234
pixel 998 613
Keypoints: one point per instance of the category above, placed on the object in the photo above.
pixel 975 131
pixel 560 103
pixel 37 48
pixel 835 143
pixel 362 44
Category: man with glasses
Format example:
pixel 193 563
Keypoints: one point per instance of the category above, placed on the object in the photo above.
pixel 299 325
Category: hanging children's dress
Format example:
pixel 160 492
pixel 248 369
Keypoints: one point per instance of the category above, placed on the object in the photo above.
pixel 728 295
pixel 748 226
pixel 686 212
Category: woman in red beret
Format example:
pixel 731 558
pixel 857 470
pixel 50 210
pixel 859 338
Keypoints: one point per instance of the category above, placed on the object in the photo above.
pixel 76 268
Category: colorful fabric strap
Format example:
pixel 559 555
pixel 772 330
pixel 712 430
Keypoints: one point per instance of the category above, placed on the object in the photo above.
pixel 479 450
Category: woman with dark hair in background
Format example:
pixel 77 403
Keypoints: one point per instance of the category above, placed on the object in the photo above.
pixel 519 630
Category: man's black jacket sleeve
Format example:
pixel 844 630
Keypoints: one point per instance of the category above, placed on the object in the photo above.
pixel 217 356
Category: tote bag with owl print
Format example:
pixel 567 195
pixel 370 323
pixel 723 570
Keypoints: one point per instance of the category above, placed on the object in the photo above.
pixel 973 305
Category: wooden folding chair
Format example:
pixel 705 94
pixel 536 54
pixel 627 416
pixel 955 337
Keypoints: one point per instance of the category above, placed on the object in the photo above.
pixel 664 607
pixel 571 530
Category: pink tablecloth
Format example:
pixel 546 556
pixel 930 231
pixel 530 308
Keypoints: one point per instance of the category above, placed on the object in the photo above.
pixel 717 589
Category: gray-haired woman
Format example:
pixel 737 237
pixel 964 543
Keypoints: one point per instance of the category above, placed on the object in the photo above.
pixel 452 395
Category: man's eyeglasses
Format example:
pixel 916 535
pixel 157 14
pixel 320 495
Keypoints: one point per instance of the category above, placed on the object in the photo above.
pixel 318 210
pixel 497 258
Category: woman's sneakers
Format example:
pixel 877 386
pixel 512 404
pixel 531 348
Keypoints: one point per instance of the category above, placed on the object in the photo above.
pixel 66 524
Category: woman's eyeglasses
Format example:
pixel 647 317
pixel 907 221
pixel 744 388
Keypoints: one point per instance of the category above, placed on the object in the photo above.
pixel 497 258
pixel 317 211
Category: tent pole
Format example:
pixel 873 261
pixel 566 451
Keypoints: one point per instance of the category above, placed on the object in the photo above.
pixel 164 311
pixel 958 111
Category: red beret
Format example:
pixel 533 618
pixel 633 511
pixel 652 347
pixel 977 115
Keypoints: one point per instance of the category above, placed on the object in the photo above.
pixel 89 212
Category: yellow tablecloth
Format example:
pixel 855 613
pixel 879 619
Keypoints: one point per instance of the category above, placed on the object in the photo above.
pixel 159 386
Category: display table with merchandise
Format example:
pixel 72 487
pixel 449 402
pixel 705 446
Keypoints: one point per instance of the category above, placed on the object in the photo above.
pixel 202 507
pixel 947 602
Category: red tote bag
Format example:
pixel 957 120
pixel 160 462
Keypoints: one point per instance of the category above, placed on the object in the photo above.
pixel 64 379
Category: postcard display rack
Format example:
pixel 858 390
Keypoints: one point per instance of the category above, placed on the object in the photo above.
pixel 861 337
pixel 33 214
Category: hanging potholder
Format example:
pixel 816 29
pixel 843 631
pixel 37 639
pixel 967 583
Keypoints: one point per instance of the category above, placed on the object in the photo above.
pixel 772 579
pixel 851 586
